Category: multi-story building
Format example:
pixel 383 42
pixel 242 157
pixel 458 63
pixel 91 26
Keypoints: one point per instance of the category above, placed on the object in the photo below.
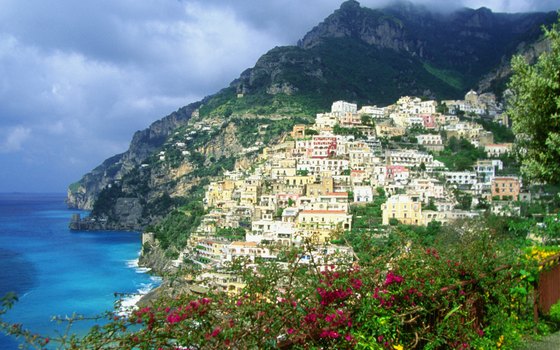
pixel 461 178
pixel 486 169
pixel 343 107
pixel 320 225
pixel 498 150
pixel 247 250
pixel 432 142
pixel 403 209
pixel 506 187
pixel 408 158
pixel 315 166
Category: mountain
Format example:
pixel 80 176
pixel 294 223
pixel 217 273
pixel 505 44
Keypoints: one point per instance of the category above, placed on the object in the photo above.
pixel 374 56
pixel 367 56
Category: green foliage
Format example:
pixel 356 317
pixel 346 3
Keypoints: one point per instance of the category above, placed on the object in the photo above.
pixel 452 78
pixel 226 103
pixel 367 120
pixel 176 227
pixel 74 187
pixel 248 132
pixel 502 134
pixel 460 154
pixel 554 313
pixel 106 200
pixel 356 132
pixel 535 110
pixel 232 234
pixel 464 199
pixel 442 108
pixel 311 132
pixel 446 287
pixel 214 167
pixel 430 206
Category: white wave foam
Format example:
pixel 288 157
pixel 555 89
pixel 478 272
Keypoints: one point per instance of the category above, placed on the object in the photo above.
pixel 134 264
pixel 156 279
pixel 128 303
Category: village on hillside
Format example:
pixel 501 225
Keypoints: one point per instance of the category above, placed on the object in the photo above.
pixel 310 186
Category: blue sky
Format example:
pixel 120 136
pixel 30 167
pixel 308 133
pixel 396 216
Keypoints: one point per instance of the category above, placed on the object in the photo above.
pixel 78 78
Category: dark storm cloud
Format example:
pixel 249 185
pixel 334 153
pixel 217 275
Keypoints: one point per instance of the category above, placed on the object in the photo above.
pixel 77 78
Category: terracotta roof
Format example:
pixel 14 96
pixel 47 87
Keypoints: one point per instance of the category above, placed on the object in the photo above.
pixel 337 194
pixel 506 178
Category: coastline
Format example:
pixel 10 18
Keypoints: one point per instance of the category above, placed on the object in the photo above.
pixel 130 302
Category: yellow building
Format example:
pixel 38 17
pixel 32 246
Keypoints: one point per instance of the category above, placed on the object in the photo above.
pixel 319 225
pixel 230 283
pixel 218 192
pixel 403 209
pixel 318 189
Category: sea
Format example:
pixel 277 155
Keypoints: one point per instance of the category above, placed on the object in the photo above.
pixel 56 272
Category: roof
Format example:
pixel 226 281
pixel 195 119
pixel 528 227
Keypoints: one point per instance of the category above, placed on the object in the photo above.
pixel 336 212
pixel 243 244
pixel 396 168
pixel 499 145
pixel 337 194
pixel 504 178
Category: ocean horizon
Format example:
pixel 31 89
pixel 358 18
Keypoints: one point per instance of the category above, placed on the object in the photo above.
pixel 56 272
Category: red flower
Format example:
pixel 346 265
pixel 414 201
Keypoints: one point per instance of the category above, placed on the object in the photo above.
pixel 216 331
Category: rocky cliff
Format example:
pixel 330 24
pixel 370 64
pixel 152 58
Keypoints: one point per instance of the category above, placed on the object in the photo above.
pixel 83 193
pixel 194 153
pixel 367 56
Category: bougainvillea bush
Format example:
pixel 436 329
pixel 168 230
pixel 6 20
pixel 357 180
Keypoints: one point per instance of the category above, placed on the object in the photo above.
pixel 464 291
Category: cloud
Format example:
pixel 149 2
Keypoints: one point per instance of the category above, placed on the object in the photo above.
pixel 12 140
pixel 77 78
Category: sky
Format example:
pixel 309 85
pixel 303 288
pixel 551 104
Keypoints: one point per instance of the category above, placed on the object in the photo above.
pixel 78 78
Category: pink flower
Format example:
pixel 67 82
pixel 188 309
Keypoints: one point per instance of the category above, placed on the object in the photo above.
pixel 290 331
pixel 216 331
pixel 333 334
pixel 393 278
pixel 173 318
pixel 356 283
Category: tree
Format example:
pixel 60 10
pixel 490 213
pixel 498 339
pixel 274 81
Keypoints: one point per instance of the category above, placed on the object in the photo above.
pixel 367 120
pixel 442 108
pixel 535 111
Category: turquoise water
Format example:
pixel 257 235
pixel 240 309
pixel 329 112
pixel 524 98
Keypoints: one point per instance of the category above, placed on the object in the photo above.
pixel 57 272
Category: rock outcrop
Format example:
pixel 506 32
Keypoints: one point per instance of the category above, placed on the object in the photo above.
pixel 82 194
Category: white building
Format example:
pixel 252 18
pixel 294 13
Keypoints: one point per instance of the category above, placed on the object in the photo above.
pixel 342 107
pixel 464 178
pixel 363 194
